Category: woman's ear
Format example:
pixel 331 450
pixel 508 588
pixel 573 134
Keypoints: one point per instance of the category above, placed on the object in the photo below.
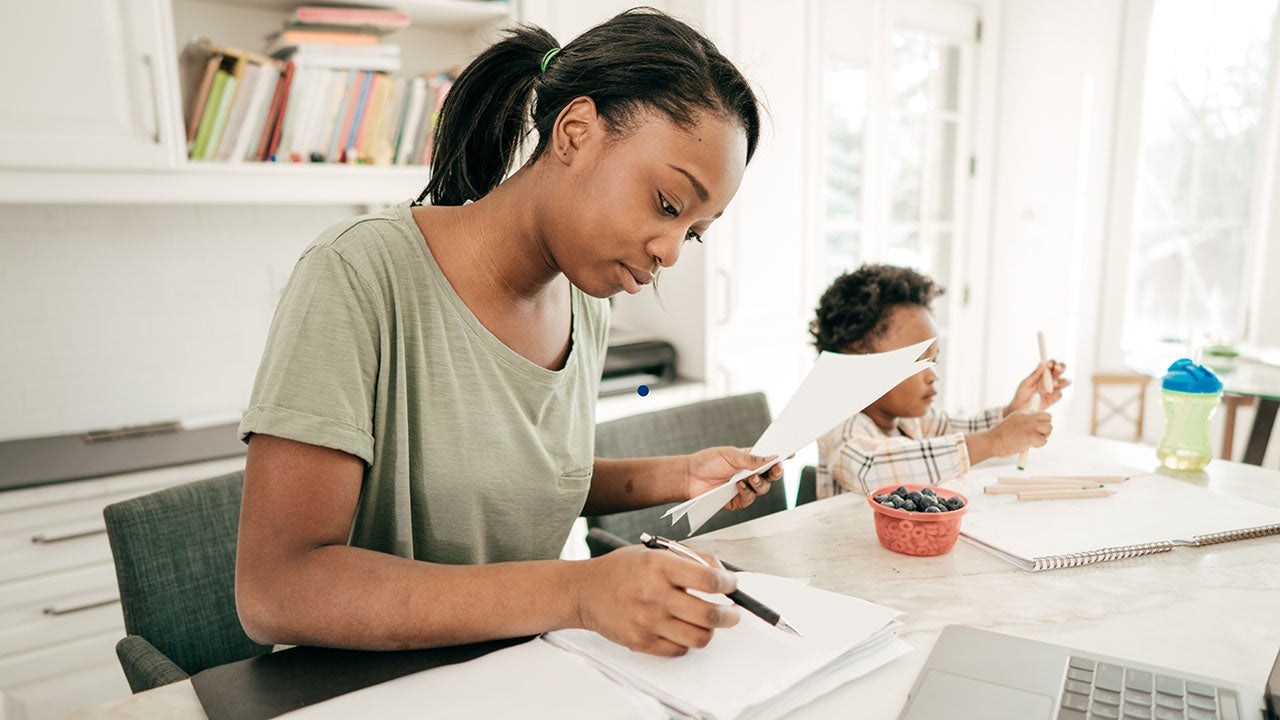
pixel 577 125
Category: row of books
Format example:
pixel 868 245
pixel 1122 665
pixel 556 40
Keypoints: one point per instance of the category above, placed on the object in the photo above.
pixel 311 103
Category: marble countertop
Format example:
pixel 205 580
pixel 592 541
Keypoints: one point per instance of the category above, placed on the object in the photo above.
pixel 1208 610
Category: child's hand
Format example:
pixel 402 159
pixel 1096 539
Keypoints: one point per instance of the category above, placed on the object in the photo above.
pixel 1019 431
pixel 1032 385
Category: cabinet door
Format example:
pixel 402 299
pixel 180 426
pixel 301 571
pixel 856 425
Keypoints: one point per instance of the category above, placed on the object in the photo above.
pixel 85 85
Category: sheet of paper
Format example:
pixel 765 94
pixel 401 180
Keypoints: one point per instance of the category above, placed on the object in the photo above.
pixel 837 388
pixel 753 669
pixel 532 680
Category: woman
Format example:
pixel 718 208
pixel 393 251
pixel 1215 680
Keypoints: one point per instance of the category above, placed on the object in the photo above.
pixel 421 428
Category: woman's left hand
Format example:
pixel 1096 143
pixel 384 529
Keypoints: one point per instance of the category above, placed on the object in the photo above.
pixel 711 468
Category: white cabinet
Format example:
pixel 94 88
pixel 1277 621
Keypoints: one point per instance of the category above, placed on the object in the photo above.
pixel 60 613
pixel 84 86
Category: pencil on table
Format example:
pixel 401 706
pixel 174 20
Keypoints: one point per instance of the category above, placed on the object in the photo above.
pixel 1060 479
pixel 1065 494
pixel 999 488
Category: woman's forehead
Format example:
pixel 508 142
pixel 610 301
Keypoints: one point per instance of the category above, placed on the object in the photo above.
pixel 711 153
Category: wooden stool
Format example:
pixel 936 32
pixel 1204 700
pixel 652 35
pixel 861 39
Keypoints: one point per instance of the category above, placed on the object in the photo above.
pixel 1123 407
pixel 1230 403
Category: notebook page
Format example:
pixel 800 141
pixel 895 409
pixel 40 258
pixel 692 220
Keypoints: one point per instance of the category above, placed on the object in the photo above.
pixel 750 663
pixel 531 680
pixel 1145 509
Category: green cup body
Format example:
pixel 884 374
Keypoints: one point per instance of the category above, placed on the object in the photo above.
pixel 1186 444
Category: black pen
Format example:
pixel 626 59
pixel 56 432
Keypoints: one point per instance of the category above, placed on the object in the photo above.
pixel 750 604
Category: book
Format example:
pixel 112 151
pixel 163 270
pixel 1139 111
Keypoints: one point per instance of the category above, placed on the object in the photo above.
pixel 1148 514
pixel 251 134
pixel 285 84
pixel 417 104
pixel 381 57
pixel 198 64
pixel 350 17
pixel 286 39
pixel 373 118
pixel 343 128
pixel 753 671
pixel 246 86
pixel 216 89
pixel 220 118
pixel 348 143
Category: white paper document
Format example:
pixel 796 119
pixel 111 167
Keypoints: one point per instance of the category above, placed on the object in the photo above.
pixel 837 388
pixel 753 671
pixel 533 680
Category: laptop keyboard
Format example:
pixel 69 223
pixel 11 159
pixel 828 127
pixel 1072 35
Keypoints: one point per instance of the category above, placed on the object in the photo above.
pixel 1113 692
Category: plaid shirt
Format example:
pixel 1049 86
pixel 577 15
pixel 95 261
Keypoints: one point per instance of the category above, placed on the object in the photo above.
pixel 857 456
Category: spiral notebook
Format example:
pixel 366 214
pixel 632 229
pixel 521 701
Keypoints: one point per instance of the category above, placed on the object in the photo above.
pixel 1148 514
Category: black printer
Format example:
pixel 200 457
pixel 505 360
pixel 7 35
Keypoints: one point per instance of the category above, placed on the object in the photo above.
pixel 628 365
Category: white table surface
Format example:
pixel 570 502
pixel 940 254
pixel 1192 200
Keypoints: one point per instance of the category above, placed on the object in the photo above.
pixel 1213 610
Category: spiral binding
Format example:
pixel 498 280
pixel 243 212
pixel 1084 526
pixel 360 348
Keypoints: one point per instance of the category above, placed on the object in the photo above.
pixel 1221 537
pixel 1093 556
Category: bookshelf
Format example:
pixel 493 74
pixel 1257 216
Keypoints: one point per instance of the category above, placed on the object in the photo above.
pixel 115 133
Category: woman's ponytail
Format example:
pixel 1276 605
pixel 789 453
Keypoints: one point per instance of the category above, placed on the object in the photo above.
pixel 485 117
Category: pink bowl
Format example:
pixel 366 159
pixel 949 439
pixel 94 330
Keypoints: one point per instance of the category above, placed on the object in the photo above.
pixel 917 533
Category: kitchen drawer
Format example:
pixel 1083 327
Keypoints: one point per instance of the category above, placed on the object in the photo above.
pixel 52 682
pixel 58 608
pixel 37 539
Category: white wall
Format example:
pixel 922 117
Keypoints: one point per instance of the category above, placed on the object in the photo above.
pixel 1057 86
pixel 117 315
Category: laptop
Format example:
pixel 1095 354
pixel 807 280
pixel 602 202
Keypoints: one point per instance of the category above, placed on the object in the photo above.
pixel 976 674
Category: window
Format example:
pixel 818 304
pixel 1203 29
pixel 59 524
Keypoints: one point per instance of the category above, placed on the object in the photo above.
pixel 1206 82
pixel 894 164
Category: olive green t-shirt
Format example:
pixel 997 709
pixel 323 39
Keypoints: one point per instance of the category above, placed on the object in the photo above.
pixel 473 454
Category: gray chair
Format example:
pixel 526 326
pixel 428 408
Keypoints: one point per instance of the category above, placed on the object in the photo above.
pixel 808 490
pixel 736 420
pixel 175 555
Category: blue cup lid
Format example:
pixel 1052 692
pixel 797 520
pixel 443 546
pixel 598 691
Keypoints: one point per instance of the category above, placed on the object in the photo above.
pixel 1185 376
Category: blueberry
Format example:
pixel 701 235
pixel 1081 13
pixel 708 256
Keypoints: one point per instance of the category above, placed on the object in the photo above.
pixel 901 492
pixel 927 501
pixel 933 508
pixel 908 505
pixel 881 497
pixel 928 491
pixel 955 503
pixel 890 501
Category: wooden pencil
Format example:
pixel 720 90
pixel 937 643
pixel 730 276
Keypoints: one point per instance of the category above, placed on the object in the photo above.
pixel 1065 494
pixel 999 489
pixel 1060 479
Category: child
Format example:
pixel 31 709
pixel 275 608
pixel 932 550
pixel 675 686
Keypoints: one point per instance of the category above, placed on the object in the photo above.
pixel 902 438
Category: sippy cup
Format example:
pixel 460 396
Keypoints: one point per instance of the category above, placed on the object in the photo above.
pixel 1190 395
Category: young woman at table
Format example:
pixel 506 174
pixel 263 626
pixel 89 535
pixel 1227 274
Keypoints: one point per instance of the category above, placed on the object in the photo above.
pixel 421 427
pixel 901 438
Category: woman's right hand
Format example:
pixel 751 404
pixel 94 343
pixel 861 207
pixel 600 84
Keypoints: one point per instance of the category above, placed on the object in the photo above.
pixel 637 598
pixel 1020 430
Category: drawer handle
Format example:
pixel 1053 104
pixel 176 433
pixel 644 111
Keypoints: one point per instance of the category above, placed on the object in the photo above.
pixel 55 610
pixel 50 538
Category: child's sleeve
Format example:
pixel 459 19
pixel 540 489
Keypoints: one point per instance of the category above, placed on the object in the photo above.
pixel 863 459
pixel 938 423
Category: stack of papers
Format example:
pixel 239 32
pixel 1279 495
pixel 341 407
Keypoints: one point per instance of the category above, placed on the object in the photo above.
pixel 752 670
pixel 749 671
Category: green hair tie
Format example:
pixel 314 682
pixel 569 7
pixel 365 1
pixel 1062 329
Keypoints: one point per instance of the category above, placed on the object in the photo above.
pixel 547 58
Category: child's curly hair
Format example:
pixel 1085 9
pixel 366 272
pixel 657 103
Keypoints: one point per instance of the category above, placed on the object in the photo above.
pixel 855 310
